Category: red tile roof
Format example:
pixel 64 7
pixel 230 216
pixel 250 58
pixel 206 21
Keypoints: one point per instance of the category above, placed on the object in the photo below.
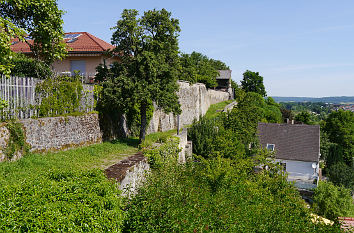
pixel 84 43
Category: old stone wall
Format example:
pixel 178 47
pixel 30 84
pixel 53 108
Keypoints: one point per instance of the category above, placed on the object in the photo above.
pixel 4 138
pixel 194 99
pixel 57 133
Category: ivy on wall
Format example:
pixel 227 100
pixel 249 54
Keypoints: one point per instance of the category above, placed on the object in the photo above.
pixel 17 143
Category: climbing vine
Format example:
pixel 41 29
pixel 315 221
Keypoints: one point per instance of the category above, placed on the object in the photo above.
pixel 17 142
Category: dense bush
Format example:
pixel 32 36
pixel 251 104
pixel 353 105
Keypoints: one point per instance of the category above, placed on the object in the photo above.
pixel 161 154
pixel 218 195
pixel 28 67
pixel 341 174
pixel 332 201
pixel 202 133
pixel 63 201
pixel 61 95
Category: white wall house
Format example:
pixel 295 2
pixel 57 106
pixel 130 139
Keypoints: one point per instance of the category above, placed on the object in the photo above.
pixel 297 149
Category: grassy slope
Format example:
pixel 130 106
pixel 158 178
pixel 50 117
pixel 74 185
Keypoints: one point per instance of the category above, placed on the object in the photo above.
pixel 215 109
pixel 94 156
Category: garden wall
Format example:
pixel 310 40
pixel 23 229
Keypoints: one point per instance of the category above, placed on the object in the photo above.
pixel 55 133
pixel 194 99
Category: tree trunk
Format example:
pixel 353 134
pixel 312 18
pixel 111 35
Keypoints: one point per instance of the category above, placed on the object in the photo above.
pixel 142 122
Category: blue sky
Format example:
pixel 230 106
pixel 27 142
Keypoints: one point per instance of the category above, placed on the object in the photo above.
pixel 301 48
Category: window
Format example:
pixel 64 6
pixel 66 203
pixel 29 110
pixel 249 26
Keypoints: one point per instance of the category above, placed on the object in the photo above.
pixel 270 147
pixel 78 66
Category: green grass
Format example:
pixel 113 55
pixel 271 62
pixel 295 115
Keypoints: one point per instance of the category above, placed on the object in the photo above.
pixel 65 191
pixel 158 137
pixel 215 109
pixel 85 158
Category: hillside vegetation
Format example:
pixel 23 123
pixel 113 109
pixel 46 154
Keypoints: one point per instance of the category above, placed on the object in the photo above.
pixel 62 191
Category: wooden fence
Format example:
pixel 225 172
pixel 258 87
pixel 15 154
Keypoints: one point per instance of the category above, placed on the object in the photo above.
pixel 20 95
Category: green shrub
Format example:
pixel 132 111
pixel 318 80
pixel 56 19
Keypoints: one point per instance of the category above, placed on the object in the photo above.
pixel 212 197
pixel 59 96
pixel 341 174
pixel 61 201
pixel 28 67
pixel 162 154
pixel 202 133
pixel 331 201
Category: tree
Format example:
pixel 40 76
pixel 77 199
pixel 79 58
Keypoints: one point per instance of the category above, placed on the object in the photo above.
pixel 304 117
pixel 244 117
pixel 8 31
pixel 197 67
pixel 42 22
pixel 286 114
pixel 342 174
pixel 253 82
pixel 339 127
pixel 148 71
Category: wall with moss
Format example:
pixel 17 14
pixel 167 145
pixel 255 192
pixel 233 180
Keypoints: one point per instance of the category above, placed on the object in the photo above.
pixel 49 134
pixel 58 133
pixel 194 99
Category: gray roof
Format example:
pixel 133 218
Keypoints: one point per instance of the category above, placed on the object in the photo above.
pixel 292 142
pixel 224 74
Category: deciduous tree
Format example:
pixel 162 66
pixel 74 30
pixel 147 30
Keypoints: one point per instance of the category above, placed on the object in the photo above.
pixel 197 67
pixel 253 82
pixel 148 71
pixel 339 127
pixel 304 117
pixel 42 22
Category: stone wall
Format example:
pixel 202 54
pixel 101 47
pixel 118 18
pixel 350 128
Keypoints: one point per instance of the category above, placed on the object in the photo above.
pixel 194 99
pixel 185 146
pixel 4 138
pixel 55 133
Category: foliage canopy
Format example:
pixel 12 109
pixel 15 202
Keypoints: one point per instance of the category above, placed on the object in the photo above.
pixel 197 67
pixel 41 21
pixel 148 67
pixel 253 82
pixel 339 127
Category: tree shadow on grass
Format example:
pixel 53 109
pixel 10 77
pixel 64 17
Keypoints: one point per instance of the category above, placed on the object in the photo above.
pixel 134 142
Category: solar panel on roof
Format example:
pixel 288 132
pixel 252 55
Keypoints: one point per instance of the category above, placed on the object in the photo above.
pixel 71 36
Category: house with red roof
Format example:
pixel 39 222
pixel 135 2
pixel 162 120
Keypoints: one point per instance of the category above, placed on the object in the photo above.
pixel 85 53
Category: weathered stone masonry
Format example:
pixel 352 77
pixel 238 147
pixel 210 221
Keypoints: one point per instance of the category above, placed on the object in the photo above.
pixel 56 133
pixel 194 99
pixel 59 133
